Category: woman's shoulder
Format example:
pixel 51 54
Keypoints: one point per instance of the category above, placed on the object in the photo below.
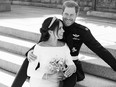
pixel 38 46
pixel 41 44
pixel 64 46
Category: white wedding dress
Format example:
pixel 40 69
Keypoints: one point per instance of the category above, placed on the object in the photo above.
pixel 44 56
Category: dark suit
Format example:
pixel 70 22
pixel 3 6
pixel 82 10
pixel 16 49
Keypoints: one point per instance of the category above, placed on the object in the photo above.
pixel 74 35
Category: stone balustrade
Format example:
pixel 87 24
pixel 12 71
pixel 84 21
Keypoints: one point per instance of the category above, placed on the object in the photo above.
pixel 5 5
pixel 86 5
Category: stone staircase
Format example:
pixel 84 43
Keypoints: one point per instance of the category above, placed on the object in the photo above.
pixel 15 43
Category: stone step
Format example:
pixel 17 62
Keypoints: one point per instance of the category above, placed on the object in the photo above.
pixel 95 81
pixel 21 46
pixel 96 66
pixel 13 48
pixel 34 37
pixel 10 62
pixel 102 14
pixel 91 64
pixel 14 45
pixel 20 34
pixel 8 78
pixel 89 81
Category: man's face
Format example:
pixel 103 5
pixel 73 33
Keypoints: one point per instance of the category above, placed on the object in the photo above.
pixel 69 16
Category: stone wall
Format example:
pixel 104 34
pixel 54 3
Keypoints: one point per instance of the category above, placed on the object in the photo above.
pixel 86 5
pixel 106 5
pixel 5 5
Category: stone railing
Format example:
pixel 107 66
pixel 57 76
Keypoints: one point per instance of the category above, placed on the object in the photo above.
pixel 86 5
pixel 106 5
pixel 5 5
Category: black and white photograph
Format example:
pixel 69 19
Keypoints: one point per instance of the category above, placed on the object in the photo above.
pixel 57 43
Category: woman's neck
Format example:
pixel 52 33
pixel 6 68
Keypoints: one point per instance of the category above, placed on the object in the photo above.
pixel 53 43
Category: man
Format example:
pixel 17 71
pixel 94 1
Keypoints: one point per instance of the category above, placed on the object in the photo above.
pixel 75 35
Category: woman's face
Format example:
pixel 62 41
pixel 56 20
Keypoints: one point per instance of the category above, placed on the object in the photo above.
pixel 60 31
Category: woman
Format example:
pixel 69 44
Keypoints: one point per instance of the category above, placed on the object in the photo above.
pixel 53 56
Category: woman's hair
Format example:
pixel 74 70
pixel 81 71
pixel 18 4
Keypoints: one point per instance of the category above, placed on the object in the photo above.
pixel 51 23
pixel 71 3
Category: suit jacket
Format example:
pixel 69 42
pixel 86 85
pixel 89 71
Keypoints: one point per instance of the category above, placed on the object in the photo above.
pixel 76 34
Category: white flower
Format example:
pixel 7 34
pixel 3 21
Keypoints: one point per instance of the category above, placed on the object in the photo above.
pixel 57 65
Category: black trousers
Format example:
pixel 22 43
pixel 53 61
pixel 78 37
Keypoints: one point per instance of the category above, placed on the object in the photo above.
pixel 22 76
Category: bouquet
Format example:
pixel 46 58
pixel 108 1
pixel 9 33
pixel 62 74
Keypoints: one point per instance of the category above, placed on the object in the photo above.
pixel 57 65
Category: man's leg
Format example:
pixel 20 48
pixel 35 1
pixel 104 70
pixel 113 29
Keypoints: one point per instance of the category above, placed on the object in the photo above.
pixel 21 76
pixel 70 81
pixel 76 77
pixel 79 72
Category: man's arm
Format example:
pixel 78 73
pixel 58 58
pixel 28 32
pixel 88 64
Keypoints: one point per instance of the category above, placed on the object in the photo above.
pixel 22 73
pixel 97 48
pixel 30 56
pixel 29 50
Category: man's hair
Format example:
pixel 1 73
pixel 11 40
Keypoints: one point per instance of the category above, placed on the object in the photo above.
pixel 71 3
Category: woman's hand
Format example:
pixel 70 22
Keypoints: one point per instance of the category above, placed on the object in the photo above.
pixel 70 70
pixel 31 56
pixel 59 76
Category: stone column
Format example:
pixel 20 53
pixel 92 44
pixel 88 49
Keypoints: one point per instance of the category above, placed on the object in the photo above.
pixel 5 5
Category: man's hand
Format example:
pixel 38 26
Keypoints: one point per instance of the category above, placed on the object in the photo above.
pixel 70 70
pixel 31 56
